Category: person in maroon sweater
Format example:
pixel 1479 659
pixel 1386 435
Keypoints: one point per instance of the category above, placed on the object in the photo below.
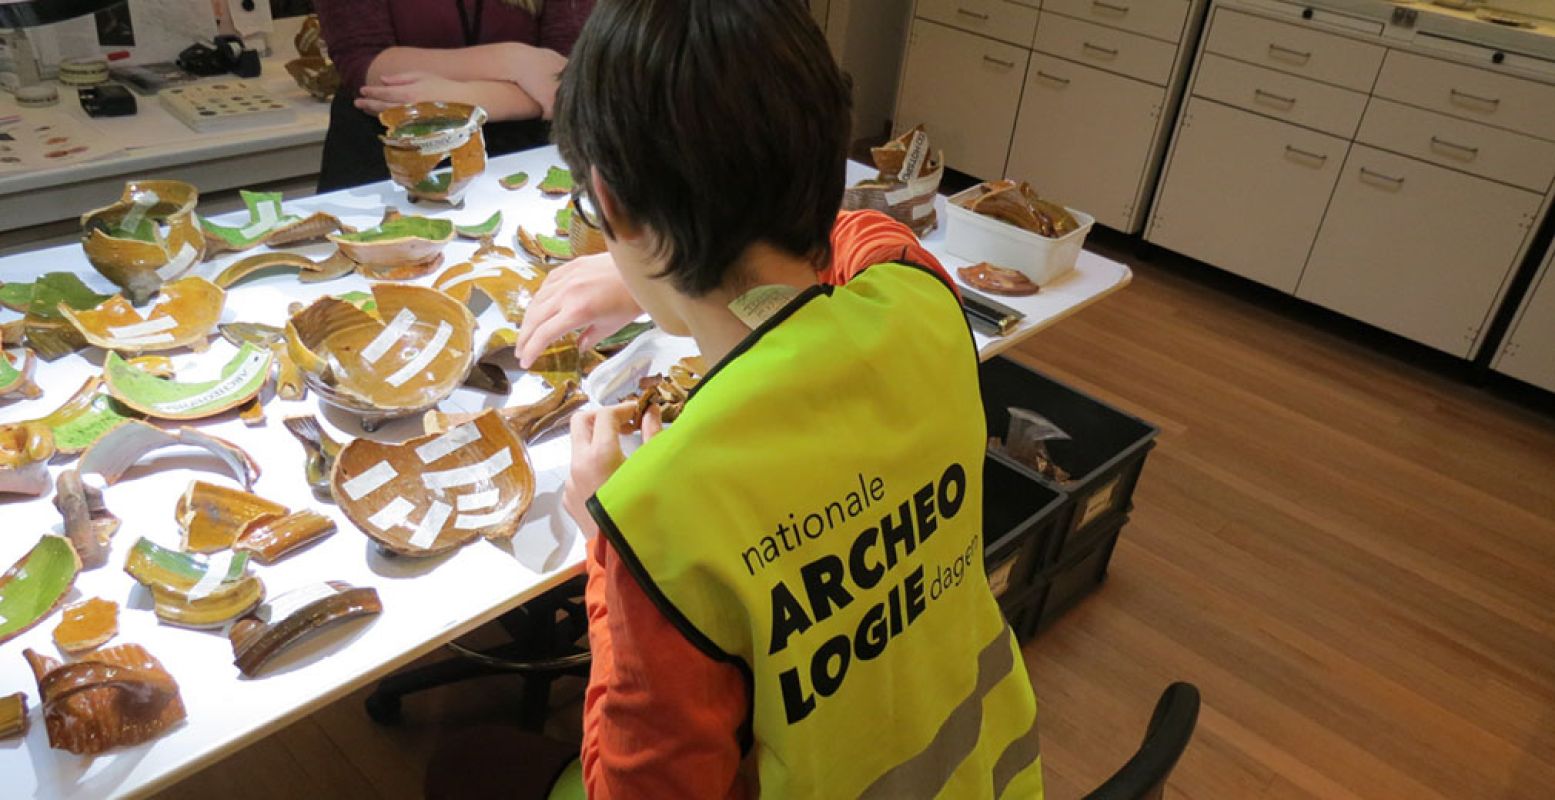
pixel 503 55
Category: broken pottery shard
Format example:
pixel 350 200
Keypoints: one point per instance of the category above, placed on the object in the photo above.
pixel 89 525
pixel 997 280
pixel 481 230
pixel 413 352
pixel 437 492
pixel 87 416
pixel 293 616
pixel 126 242
pixel 115 453
pixel 262 262
pixel 213 517
pixel 195 591
pixel 241 380
pixel 399 249
pixel 288 379
pixel 422 135
pixel 13 715
pixel 116 697
pixel 497 273
pixel 908 181
pixel 184 315
pixel 558 182
pixel 319 450
pixel 529 422
pixel 16 369
pixel 546 252
pixel 87 625
pixel 267 224
pixel 34 586
pixel 273 539
pixel 45 328
pixel 25 450
pixel 514 182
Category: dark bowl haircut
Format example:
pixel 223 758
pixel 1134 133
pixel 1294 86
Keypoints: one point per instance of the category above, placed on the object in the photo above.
pixel 716 124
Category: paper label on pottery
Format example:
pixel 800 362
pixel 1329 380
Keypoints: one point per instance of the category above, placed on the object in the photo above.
pixel 286 605
pixel 475 501
pixel 169 397
pixel 442 141
pixel 391 334
pixel 215 575
pixel 431 525
pixel 178 264
pixel 370 481
pixel 917 151
pixel 141 203
pixel 392 515
pixel 448 443
pixel 470 522
pixel 424 358
pixel 268 213
pixel 142 329
pixel 471 475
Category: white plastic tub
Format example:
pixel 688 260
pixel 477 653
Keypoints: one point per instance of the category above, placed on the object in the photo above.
pixel 976 237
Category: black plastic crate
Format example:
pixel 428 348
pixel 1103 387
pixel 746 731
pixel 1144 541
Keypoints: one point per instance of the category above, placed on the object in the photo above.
pixel 1022 519
pixel 1064 585
pixel 1104 455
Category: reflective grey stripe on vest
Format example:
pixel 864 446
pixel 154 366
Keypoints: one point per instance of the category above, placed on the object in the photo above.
pixel 925 774
pixel 1016 758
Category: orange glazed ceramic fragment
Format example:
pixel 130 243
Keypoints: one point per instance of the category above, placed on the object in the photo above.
pixel 87 625
pixel 497 273
pixel 213 517
pixel 147 238
pixel 184 316
pixel 25 450
pixel 13 715
pixel 271 540
pixel 437 492
pixel 400 248
pixel 116 697
pixel 422 135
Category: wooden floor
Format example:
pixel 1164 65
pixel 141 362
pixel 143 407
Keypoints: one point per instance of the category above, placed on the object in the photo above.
pixel 1352 556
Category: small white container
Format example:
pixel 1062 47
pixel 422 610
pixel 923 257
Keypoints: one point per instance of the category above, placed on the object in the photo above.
pixel 976 237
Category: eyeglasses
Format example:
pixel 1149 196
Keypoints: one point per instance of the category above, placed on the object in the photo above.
pixel 584 210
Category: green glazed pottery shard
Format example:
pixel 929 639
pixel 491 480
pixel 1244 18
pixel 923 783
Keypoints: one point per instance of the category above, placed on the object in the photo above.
pixel 35 585
pixel 195 591
pixel 481 230
pixel 155 565
pixel 362 300
pixel 623 337
pixel 15 378
pixel 563 220
pixel 558 181
pixel 83 419
pixel 555 246
pixel 240 380
pixel 402 228
pixel 264 216
pixel 47 330
pixel 435 183
pixel 516 181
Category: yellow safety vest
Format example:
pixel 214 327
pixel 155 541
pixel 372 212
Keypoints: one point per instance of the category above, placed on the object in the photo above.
pixel 815 518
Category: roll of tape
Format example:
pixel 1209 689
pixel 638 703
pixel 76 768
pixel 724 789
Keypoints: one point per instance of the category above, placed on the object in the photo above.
pixel 83 71
pixel 36 96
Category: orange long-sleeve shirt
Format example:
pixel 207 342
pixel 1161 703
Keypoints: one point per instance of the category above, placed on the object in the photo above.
pixel 661 719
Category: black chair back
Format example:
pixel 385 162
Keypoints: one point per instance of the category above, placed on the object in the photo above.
pixel 1171 727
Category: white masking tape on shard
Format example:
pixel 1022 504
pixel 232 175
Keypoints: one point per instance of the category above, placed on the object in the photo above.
pixel 293 601
pixel 269 214
pixel 141 203
pixel 473 474
pixel 391 333
pixel 154 325
pixel 392 515
pixel 476 501
pixel 470 522
pixel 142 341
pixel 178 264
pixel 448 443
pixel 215 574
pixel 370 481
pixel 431 525
pixel 424 358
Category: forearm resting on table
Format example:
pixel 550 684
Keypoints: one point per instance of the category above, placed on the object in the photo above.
pixel 493 62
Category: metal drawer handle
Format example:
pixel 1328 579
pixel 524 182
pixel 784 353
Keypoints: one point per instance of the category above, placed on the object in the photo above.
pixel 1053 78
pixel 1319 157
pixel 1289 102
pixel 1107 51
pixel 1299 56
pixel 967 12
pixel 1114 8
pixel 1489 101
pixel 1001 62
pixel 1374 174
pixel 1462 148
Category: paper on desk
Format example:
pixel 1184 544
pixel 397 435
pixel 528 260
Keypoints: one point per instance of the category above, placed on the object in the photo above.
pixel 147 30
pixel 48 138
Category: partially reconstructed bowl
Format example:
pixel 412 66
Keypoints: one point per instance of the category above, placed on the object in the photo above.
pixel 185 316
pixel 422 135
pixel 147 238
pixel 410 352
pixel 400 248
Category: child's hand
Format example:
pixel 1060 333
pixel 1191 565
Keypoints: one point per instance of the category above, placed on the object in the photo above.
pixel 586 294
pixel 596 455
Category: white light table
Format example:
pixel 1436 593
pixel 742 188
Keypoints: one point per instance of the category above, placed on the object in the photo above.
pixel 426 602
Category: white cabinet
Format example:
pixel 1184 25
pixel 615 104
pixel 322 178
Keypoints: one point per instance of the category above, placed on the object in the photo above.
pixel 1529 351
pixel 1417 249
pixel 964 89
pixel 1092 122
pixel 1058 142
pixel 1245 193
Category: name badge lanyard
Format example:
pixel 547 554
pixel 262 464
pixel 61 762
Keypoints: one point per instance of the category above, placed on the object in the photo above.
pixel 471 27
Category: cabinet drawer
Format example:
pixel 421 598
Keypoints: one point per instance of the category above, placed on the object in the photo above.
pixel 1529 352
pixel 1469 146
pixel 1160 19
pixel 1244 192
pixel 1416 249
pixel 1478 94
pixel 1112 50
pixel 1057 148
pixel 1315 105
pixel 998 19
pixel 1295 49
pixel 964 89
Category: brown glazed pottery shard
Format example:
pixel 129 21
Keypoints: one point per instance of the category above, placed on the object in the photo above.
pixel 89 525
pixel 115 697
pixel 122 448
pixel 669 392
pixel 25 450
pixel 422 135
pixel 13 715
pixel 271 540
pixel 530 422
pixel 87 625
pixel 184 316
pixel 998 280
pixel 497 273
pixel 150 236
pixel 320 451
pixel 213 517
pixel 405 358
pixel 292 617
pixel 904 194
pixel 437 492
